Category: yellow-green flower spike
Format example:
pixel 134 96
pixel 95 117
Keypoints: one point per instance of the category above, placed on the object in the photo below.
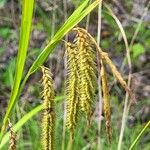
pixel 48 122
pixel 87 71
pixel 72 86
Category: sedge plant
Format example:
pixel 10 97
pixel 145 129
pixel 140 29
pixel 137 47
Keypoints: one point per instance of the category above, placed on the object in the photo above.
pixel 81 80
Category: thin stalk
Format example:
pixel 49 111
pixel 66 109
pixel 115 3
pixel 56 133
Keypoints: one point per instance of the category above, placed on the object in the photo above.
pixel 139 136
pixel 139 25
pixel 88 18
pixel 99 77
pixel 65 66
pixel 125 111
pixel 124 116
pixel 64 128
pixel 65 14
pixel 69 147
pixel 136 33
pixel 134 37
pixel 53 20
pixel 13 15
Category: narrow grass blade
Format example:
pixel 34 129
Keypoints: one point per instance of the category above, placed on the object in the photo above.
pixel 119 25
pixel 139 136
pixel 24 119
pixel 123 35
pixel 20 123
pixel 22 50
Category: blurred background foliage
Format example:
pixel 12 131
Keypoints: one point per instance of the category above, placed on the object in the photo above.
pixel 48 17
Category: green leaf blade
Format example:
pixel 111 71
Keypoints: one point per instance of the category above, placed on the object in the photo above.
pixel 25 119
pixel 22 51
pixel 20 123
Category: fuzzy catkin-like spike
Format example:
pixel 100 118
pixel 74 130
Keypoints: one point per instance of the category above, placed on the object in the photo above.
pixel 87 72
pixel 107 112
pixel 48 122
pixel 105 57
pixel 116 73
pixel 72 87
pixel 12 141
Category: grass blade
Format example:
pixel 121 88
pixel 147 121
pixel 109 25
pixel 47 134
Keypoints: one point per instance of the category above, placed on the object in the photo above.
pixel 20 123
pixel 22 50
pixel 24 119
pixel 139 136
